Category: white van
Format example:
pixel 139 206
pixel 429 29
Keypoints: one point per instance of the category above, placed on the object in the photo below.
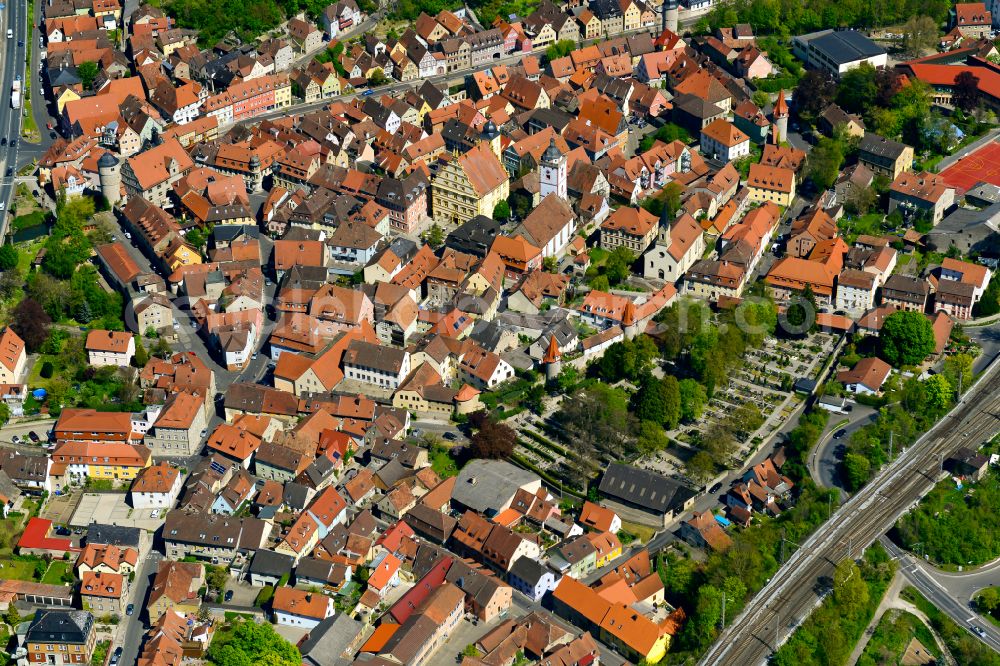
pixel 10 33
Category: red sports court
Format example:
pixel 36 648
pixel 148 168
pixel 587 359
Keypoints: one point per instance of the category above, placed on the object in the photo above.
pixel 976 167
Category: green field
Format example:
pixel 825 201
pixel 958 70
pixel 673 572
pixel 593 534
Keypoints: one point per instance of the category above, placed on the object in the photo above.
pixel 56 570
pixel 17 569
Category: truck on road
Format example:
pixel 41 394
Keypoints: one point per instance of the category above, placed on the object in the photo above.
pixel 15 94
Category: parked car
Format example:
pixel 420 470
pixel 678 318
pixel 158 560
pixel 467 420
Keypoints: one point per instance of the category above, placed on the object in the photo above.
pixel 451 436
pixel 15 439
pixel 130 609
pixel 115 656
pixel 840 433
pixel 155 513
pixel 33 436
pixel 228 596
pixel 714 489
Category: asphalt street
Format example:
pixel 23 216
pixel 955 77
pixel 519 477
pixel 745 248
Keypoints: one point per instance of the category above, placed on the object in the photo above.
pixel 942 594
pixel 12 18
pixel 451 78
pixel 131 629
pixel 824 462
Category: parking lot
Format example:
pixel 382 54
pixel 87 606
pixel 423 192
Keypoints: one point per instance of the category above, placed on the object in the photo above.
pixel 110 508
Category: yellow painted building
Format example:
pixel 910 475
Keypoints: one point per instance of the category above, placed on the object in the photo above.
pixel 775 184
pixel 112 461
pixel 468 185
pixel 283 94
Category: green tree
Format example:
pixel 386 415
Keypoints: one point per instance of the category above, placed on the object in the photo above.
pixel 693 399
pixel 435 236
pixel 619 265
pixel 857 90
pixel 196 237
pixel 849 588
pixel 651 437
pixel 559 49
pixel 659 401
pixel 906 338
pixel 216 577
pixel 141 357
pixel 501 211
pixel 857 470
pixel 801 312
pixel 958 370
pixel 8 257
pixel 162 348
pixel 920 34
pixel 939 391
pixel 377 78
pixel 700 466
pixel 254 643
pixel 824 162
pixel 550 264
pixel 988 600
pixel 520 204
pixel 989 304
pixel 87 71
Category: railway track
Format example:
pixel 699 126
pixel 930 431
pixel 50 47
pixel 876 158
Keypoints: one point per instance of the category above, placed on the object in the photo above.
pixel 799 586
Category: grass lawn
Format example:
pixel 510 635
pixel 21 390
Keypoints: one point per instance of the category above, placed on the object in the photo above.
pixel 891 637
pixel 230 616
pixel 443 464
pixel 26 253
pixel 643 533
pixel 17 570
pixel 872 224
pixel 57 569
pixel 35 379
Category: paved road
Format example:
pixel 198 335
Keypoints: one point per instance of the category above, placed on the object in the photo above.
pixel 133 627
pixel 771 615
pixel 13 18
pixel 988 337
pixel 39 427
pixel 451 78
pixel 824 462
pixel 963 585
pixel 956 607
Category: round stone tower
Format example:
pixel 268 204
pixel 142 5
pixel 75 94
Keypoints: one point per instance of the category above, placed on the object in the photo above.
pixel 110 174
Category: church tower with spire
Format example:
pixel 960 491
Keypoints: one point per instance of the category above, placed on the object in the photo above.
pixel 552 179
